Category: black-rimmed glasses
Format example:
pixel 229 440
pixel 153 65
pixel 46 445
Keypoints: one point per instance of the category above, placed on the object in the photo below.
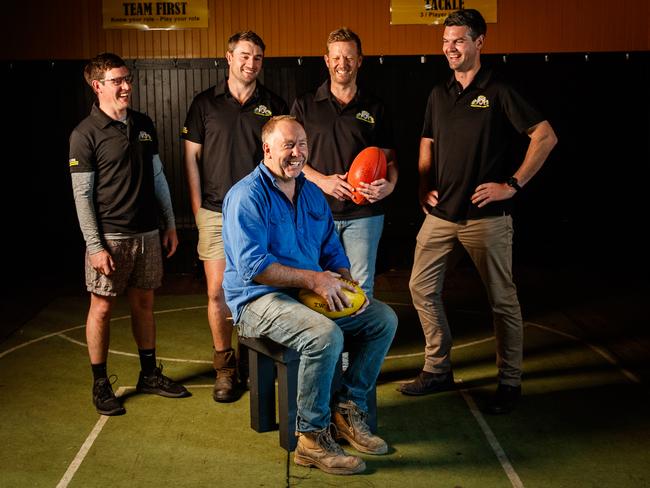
pixel 118 81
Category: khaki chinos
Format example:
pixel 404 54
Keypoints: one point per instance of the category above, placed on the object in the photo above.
pixel 488 241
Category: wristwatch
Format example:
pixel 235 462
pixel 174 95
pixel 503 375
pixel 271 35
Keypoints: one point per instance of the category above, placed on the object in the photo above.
pixel 512 182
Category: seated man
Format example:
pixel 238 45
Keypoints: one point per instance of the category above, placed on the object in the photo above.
pixel 279 237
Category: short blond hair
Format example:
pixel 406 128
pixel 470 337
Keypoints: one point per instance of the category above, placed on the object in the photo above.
pixel 269 127
pixel 343 34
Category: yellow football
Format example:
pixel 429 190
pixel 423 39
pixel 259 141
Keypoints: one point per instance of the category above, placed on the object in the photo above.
pixel 318 303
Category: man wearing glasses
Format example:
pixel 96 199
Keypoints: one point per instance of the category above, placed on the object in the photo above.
pixel 120 190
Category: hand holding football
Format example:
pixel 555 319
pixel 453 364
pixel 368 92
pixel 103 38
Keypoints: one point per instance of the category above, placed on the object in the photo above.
pixel 319 304
pixel 368 166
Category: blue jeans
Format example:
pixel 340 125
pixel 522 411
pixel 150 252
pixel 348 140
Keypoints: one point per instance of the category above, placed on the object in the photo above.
pixel 360 239
pixel 319 340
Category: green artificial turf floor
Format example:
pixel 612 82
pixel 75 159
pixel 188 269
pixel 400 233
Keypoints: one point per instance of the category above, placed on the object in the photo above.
pixel 582 422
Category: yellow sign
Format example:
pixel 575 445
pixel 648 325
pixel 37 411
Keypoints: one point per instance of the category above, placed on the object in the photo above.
pixel 435 11
pixel 119 14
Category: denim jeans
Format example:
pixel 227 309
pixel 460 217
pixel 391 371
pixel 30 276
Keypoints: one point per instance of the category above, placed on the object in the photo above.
pixel 360 239
pixel 319 340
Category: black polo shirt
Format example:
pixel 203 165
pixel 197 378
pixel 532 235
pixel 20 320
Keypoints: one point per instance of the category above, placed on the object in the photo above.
pixel 472 130
pixel 231 135
pixel 337 134
pixel 121 156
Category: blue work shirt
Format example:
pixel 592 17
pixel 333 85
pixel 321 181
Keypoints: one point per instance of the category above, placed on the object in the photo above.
pixel 261 226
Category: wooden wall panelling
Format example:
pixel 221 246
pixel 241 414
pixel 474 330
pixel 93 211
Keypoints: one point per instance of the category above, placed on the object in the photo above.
pixel 72 29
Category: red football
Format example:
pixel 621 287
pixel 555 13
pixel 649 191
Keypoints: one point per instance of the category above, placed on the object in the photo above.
pixel 368 166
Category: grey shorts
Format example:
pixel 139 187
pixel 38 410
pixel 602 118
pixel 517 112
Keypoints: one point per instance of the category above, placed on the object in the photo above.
pixel 209 223
pixel 138 264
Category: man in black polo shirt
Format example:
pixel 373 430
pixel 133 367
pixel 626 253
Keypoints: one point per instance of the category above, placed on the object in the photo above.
pixel 119 187
pixel 341 120
pixel 465 191
pixel 223 144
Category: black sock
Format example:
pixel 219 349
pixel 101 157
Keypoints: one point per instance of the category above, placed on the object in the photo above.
pixel 99 371
pixel 147 360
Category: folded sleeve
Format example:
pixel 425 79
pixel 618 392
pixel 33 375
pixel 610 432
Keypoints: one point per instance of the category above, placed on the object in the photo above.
pixel 246 231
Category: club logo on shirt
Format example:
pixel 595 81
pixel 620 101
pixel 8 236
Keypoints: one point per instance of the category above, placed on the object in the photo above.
pixel 366 117
pixel 144 137
pixel 480 102
pixel 263 111
pixel 184 130
pixel 73 162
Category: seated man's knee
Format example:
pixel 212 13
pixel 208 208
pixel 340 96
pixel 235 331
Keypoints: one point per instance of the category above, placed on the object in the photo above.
pixel 389 319
pixel 326 339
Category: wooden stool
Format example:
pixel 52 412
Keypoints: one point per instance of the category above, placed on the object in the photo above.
pixel 268 360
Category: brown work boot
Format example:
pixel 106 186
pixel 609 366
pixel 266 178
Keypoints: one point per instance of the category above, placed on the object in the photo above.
pixel 226 387
pixel 319 449
pixel 351 425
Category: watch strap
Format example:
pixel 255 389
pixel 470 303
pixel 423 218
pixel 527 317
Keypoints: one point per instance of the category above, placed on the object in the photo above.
pixel 512 182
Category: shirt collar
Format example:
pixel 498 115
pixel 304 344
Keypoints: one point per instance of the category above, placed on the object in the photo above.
pixel 222 89
pixel 324 92
pixel 103 120
pixel 480 80
pixel 300 180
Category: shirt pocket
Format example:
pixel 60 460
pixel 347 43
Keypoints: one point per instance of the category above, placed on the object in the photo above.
pixel 282 235
pixel 315 228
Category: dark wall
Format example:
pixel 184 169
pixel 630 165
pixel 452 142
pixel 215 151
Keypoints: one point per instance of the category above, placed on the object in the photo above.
pixel 584 206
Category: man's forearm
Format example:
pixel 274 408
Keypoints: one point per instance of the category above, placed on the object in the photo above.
pixel 282 276
pixel 163 196
pixel 392 171
pixel 424 164
pixel 311 174
pixel 192 157
pixel 83 187
pixel 542 141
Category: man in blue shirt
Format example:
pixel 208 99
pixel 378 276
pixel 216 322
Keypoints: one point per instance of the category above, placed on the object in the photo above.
pixel 279 237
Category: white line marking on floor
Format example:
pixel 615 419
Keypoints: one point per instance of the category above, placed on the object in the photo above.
pixel 459 346
pixel 133 355
pixel 169 310
pixel 123 317
pixel 492 440
pixel 42 338
pixel 92 437
pixel 604 353
pixel 47 336
pixel 609 357
pixel 85 447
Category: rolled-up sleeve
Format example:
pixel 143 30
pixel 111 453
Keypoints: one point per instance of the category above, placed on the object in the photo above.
pixel 246 233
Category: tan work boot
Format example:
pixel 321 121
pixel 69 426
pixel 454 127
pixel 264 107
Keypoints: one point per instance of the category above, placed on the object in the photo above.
pixel 351 425
pixel 319 449
pixel 226 387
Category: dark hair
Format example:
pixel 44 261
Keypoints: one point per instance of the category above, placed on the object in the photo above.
pixel 96 68
pixel 344 34
pixel 468 17
pixel 249 36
